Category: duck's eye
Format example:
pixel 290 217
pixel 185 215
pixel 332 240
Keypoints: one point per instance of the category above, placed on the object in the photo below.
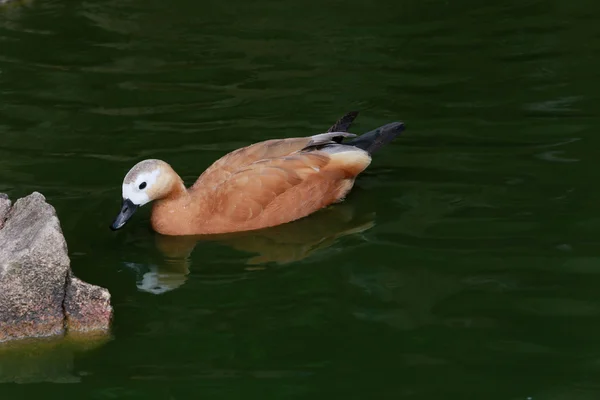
pixel 142 185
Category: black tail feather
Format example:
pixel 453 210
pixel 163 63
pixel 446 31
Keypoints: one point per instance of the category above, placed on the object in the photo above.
pixel 343 124
pixel 375 139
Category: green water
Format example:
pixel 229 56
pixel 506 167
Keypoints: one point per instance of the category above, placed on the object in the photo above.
pixel 464 265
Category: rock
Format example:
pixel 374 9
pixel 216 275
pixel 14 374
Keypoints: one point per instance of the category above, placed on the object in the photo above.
pixel 4 208
pixel 33 271
pixel 39 296
pixel 87 307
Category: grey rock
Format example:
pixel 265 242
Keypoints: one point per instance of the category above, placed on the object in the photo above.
pixel 87 307
pixel 33 270
pixel 35 276
pixel 4 208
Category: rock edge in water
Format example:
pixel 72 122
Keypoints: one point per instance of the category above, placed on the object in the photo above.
pixel 39 296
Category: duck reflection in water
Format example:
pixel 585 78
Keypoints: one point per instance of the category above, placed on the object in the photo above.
pixel 279 245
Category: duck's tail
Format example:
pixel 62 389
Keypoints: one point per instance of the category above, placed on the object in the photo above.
pixel 375 139
pixel 343 124
pixel 332 141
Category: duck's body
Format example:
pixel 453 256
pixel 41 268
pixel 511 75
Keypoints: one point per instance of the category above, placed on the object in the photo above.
pixel 266 184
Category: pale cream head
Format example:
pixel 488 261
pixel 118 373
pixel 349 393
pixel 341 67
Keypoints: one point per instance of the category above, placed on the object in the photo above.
pixel 148 180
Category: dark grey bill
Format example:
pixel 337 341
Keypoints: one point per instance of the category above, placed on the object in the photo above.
pixel 127 211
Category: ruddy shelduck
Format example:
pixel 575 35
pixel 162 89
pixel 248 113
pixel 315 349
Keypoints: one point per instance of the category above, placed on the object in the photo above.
pixel 262 185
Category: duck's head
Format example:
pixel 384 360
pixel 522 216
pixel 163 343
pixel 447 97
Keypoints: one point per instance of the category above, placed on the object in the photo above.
pixel 148 180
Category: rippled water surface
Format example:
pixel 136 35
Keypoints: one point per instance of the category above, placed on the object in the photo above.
pixel 464 265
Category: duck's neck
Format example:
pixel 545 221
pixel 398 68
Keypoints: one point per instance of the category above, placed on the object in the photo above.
pixel 172 213
pixel 178 191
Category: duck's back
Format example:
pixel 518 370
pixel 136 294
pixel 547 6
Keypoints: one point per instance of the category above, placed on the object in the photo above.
pixel 226 166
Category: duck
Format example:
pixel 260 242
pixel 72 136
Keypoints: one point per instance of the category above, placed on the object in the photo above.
pixel 262 185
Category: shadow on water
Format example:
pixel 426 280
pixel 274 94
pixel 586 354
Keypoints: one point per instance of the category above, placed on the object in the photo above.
pixel 279 245
pixel 45 359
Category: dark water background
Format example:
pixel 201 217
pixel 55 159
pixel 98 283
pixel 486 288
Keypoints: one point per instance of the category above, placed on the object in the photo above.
pixel 465 264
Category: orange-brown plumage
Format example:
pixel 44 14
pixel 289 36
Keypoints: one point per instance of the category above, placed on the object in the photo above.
pixel 262 185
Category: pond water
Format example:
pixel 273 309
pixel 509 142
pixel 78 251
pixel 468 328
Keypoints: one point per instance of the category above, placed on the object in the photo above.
pixel 464 265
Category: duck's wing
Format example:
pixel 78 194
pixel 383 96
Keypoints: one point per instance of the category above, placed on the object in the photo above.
pixel 223 168
pixel 231 163
pixel 246 194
